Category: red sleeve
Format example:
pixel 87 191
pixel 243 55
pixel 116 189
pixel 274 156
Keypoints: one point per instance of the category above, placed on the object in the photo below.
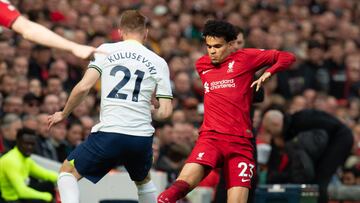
pixel 259 58
pixel 283 61
pixel 8 14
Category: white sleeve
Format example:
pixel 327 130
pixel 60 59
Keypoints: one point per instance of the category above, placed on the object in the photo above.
pixel 99 59
pixel 163 88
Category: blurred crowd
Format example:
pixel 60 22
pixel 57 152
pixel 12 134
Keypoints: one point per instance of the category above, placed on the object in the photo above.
pixel 35 81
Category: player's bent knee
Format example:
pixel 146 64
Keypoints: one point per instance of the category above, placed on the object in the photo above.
pixel 68 167
pixel 146 180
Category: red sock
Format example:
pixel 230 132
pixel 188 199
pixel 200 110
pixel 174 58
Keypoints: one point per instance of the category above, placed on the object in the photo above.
pixel 176 191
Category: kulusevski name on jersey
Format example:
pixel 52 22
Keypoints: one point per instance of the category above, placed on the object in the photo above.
pixel 135 56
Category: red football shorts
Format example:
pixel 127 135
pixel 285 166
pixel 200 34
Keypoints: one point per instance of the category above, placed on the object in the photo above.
pixel 233 154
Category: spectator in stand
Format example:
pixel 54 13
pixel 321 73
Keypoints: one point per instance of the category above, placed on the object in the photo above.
pixel 74 135
pixel 59 68
pixel 314 144
pixel 30 122
pixel 10 125
pixel 315 62
pixel 22 86
pixel 43 145
pixel 39 63
pixel 352 86
pixel 7 85
pixel 20 67
pixel 35 87
pixel 13 104
pixel 3 68
pixel 16 167
pixel 348 176
pixel 335 63
pixel 87 122
pixel 182 87
pixel 53 85
pixel 295 80
pixel 310 96
pixel 178 116
pixel 58 140
pixel 51 104
pixel 297 103
pixel 31 104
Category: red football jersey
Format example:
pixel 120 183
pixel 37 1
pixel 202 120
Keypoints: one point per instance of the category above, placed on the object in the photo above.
pixel 8 13
pixel 227 91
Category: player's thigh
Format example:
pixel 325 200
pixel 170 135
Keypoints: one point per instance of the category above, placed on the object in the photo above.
pixel 206 152
pixel 238 195
pixel 95 156
pixel 239 164
pixel 205 156
pixel 139 158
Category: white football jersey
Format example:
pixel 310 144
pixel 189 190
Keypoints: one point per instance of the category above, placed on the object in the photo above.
pixel 130 73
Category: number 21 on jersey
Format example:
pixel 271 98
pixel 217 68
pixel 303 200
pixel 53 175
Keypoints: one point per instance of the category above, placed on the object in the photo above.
pixel 116 91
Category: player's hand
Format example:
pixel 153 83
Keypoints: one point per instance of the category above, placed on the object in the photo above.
pixel 85 52
pixel 55 118
pixel 262 79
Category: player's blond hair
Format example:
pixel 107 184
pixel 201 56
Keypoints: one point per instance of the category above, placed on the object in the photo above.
pixel 132 21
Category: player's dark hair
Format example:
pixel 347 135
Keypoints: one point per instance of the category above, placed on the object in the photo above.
pixel 132 21
pixel 218 28
pixel 239 30
pixel 25 131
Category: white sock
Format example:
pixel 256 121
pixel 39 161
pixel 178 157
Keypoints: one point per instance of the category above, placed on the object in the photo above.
pixel 147 192
pixel 68 188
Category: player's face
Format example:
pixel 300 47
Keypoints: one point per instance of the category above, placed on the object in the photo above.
pixel 26 144
pixel 218 49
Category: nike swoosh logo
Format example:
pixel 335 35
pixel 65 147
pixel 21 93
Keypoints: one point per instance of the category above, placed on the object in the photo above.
pixel 205 71
pixel 245 180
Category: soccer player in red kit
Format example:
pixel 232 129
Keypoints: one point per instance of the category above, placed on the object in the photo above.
pixel 224 140
pixel 11 18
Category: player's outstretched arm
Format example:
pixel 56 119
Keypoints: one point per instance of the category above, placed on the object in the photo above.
pixel 164 111
pixel 79 92
pixel 39 34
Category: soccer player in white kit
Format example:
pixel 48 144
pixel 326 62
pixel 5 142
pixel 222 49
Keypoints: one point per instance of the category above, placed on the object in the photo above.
pixel 129 73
